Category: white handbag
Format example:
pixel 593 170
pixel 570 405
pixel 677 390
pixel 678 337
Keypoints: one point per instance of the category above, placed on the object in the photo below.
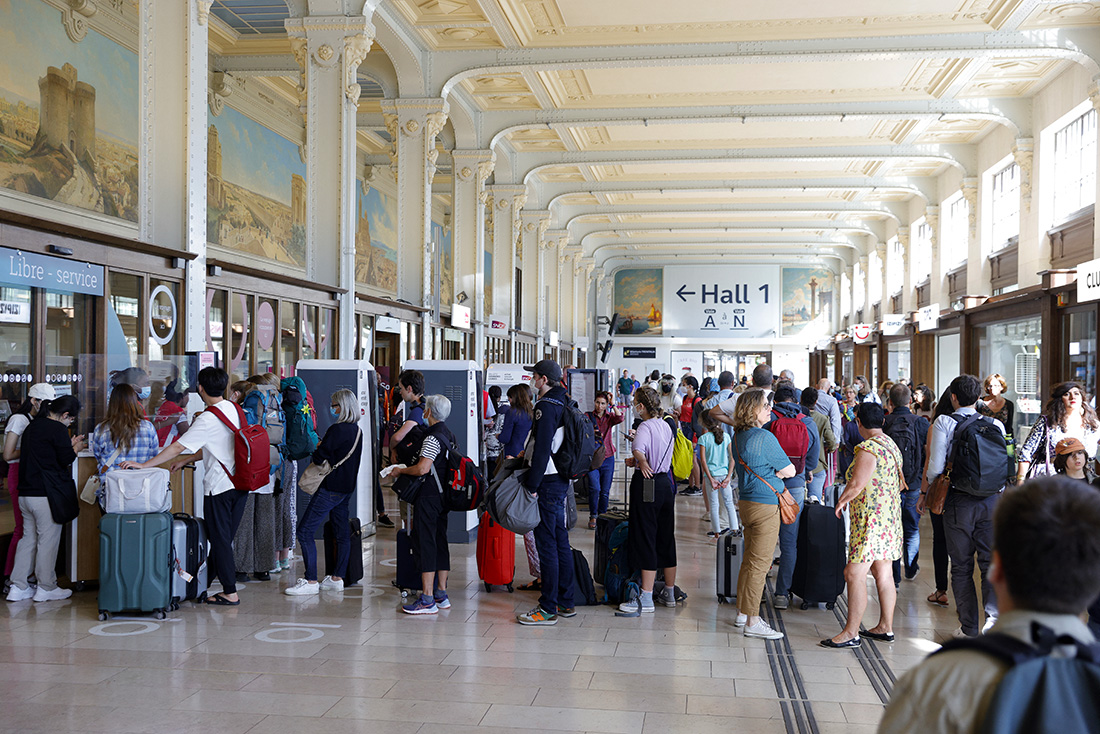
pixel 136 491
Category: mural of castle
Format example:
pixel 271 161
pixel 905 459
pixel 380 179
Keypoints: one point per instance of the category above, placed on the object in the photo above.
pixel 256 200
pixel 376 239
pixel 68 114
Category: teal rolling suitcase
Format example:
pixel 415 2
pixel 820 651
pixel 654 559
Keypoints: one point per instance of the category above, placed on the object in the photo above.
pixel 135 564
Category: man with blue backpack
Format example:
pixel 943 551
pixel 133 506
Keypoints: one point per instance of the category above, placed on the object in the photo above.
pixel 1038 669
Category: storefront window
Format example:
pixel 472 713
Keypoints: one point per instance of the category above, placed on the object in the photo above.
pixel 241 336
pixel 1012 349
pixel 846 373
pixel 327 347
pixel 288 338
pixel 265 335
pixel 125 314
pixel 364 339
pixel 66 345
pixel 898 361
pixel 309 332
pixel 15 350
pixel 1080 341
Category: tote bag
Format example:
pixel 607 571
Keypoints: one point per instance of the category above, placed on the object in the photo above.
pixel 136 491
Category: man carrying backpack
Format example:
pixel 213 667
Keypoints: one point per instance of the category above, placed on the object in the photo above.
pixel 1046 549
pixel 543 481
pixel 978 474
pixel 909 432
pixel 801 442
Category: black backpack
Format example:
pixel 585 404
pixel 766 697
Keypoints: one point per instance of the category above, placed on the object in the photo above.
pixel 902 428
pixel 407 449
pixel 574 458
pixel 980 464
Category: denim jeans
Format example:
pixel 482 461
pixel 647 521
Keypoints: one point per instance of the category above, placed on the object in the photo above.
pixel 968 525
pixel 726 496
pixel 817 487
pixel 552 541
pixel 910 526
pixel 324 504
pixel 788 545
pixel 599 486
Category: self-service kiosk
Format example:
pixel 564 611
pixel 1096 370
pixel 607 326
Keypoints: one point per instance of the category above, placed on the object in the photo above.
pixel 461 382
pixel 585 383
pixel 323 377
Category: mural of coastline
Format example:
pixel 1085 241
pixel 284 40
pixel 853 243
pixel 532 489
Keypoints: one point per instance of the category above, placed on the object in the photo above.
pixel 256 195
pixel 488 284
pixel 376 240
pixel 639 298
pixel 68 113
pixel 808 295
pixel 446 264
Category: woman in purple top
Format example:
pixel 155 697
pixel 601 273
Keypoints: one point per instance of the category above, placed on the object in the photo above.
pixel 651 543
pixel 604 417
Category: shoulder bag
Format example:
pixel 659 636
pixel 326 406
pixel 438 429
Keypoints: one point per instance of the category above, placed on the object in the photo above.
pixel 1036 469
pixel 61 494
pixel 314 474
pixel 94 482
pixel 788 508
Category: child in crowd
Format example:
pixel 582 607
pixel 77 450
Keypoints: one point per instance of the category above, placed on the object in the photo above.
pixel 1071 459
pixel 715 457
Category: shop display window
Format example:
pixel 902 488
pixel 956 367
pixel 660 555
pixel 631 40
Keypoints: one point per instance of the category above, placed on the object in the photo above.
pixel 288 338
pixel 1080 345
pixel 1013 349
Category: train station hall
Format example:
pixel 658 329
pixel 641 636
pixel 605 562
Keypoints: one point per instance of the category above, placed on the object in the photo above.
pixel 549 366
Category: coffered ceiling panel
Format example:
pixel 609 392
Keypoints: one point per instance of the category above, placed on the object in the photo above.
pixel 450 24
pixel 501 92
pixel 1064 14
pixel 536 139
pixel 726 169
pixel 1012 77
pixel 735 196
pixel 616 22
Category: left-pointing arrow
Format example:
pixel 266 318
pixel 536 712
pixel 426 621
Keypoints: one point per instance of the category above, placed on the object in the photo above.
pixel 681 293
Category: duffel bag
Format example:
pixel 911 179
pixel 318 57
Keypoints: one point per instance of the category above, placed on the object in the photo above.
pixel 136 491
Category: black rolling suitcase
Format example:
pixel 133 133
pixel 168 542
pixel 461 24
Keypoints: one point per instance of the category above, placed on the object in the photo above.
pixel 354 573
pixel 408 572
pixel 605 525
pixel 731 548
pixel 822 554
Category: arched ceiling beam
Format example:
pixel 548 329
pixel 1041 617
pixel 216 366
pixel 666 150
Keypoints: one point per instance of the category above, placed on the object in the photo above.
pixel 1082 46
pixel 719 250
pixel 591 242
pixel 792 211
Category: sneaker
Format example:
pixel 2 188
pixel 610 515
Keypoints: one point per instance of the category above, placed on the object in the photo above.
pixel 567 612
pixel 331 584
pixel 694 491
pixel 537 616
pixel 278 568
pixel 706 517
pixel 782 601
pixel 441 600
pixel 958 634
pixel 17 594
pixel 989 622
pixel 667 597
pixel 632 606
pixel 262 576
pixel 384 521
pixel 303 588
pixel 242 577
pixel 762 630
pixel 54 594
pixel 422 605
pixel 285 563
pixel 740 620
pixel 712 534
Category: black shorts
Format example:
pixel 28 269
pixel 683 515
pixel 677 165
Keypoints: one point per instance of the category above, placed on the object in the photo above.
pixel 651 543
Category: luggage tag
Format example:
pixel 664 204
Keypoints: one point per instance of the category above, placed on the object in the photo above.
pixel 183 574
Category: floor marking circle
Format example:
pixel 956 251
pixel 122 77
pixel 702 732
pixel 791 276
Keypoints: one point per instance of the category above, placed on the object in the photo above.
pixel 101 629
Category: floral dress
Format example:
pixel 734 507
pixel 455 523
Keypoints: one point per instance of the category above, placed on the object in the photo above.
pixel 876 511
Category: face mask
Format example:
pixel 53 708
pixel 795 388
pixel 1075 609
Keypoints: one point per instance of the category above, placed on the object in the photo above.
pixel 144 393
pixel 666 389
pixel 681 391
pixel 335 412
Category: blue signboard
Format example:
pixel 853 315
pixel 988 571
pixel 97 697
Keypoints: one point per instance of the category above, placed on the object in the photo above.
pixel 53 273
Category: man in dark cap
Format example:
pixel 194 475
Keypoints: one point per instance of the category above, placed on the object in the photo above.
pixel 543 481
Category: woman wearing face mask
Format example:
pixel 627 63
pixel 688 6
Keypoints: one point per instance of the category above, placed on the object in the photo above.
pixel 48 453
pixel 342 442
pixel 1068 415
pixel 125 435
pixel 671 401
pixel 13 434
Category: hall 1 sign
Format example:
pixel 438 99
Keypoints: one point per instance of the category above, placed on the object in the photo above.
pixel 1088 281
pixel 722 302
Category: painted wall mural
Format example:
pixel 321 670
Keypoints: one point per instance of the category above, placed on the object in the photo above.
pixel 69 116
pixel 808 301
pixel 639 298
pixel 256 195
pixel 442 237
pixel 376 239
pixel 488 284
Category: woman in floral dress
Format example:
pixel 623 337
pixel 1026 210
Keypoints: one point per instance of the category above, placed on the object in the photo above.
pixel 874 493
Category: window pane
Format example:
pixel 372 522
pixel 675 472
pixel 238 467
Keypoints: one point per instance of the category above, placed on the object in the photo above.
pixel 1013 349
pixel 1080 340
pixel 66 343
pixel 1006 206
pixel 1075 166
pixel 328 334
pixel 125 309
pixel 265 335
pixel 288 339
pixel 215 322
pixel 240 337
pixel 309 332
pixel 15 352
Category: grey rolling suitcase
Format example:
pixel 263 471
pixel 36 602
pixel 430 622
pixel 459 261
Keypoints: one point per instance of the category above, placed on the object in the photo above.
pixel 190 574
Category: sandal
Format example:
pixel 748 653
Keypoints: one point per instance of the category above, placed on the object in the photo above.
pixel 220 601
pixel 535 585
pixel 939 598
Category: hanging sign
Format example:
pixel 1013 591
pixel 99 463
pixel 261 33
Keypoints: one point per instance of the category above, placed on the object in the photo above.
pixel 639 352
pixel 928 318
pixel 55 273
pixel 861 333
pixel 497 326
pixel 738 302
pixel 460 316
pixel 1088 281
pixel 452 335
pixel 893 324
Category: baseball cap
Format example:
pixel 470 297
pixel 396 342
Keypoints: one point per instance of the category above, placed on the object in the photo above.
pixel 42 391
pixel 1068 446
pixel 548 368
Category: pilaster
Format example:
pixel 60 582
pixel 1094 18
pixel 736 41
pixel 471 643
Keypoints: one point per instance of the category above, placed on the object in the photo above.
pixel 534 226
pixel 908 293
pixel 937 293
pixel 508 201
pixel 865 273
pixel 977 266
pixel 471 169
pixel 884 303
pixel 549 272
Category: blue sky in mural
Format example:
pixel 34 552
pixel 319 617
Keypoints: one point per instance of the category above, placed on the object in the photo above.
pixel 32 38
pixel 256 158
pixel 379 209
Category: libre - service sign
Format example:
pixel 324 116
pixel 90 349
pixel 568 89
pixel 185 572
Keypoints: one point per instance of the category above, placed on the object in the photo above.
pixel 55 273
pixel 726 302
pixel 1088 281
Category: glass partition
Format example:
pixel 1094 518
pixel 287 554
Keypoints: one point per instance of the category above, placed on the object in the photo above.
pixel 1013 350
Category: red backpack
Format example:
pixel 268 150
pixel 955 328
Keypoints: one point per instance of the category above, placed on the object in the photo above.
pixel 251 453
pixel 793 437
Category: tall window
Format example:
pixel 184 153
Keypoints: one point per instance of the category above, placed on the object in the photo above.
pixel 859 286
pixel 895 266
pixel 954 238
pixel 845 294
pixel 921 243
pixel 1075 166
pixel 1006 205
pixel 874 276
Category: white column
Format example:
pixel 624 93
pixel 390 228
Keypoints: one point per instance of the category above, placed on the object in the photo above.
pixel 977 266
pixel 535 224
pixel 884 302
pixel 865 273
pixel 1023 152
pixel 174 87
pixel 414 123
pixel 936 291
pixel 507 203
pixel 471 169
pixel 329 50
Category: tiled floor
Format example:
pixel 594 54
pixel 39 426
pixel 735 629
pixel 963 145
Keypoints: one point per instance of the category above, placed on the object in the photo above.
pixel 276 663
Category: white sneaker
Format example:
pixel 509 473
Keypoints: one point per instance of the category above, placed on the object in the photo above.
pixel 17 594
pixel 54 594
pixel 705 517
pixel 303 588
pixel 331 584
pixel 989 622
pixel 762 630
pixel 741 620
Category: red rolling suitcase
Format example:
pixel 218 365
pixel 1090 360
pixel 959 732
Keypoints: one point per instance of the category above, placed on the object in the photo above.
pixel 496 554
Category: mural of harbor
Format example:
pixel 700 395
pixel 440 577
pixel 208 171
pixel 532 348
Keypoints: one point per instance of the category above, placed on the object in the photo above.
pixel 639 295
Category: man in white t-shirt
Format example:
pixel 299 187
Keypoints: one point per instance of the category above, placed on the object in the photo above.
pixel 223 505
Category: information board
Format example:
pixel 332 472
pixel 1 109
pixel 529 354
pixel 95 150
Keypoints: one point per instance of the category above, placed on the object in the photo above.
pixel 716 301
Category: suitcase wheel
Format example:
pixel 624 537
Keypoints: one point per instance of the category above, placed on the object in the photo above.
pixel 805 605
pixel 721 599
pixel 488 588
pixel 160 614
pixel 510 588
pixel 104 615
pixel 830 606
